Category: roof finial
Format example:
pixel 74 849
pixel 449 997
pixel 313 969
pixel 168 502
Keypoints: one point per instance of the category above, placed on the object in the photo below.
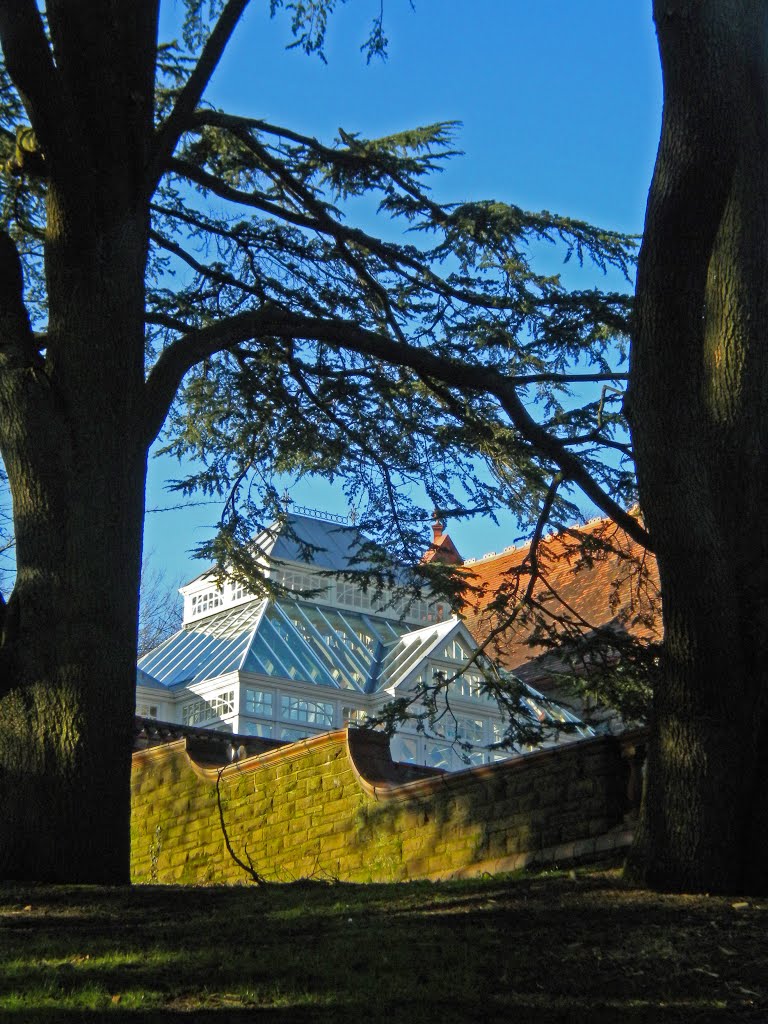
pixel 285 500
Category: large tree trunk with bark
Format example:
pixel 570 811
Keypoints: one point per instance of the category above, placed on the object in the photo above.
pixel 74 440
pixel 698 405
pixel 66 702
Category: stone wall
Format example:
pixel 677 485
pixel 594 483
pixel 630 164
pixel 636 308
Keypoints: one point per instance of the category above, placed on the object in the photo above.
pixel 336 807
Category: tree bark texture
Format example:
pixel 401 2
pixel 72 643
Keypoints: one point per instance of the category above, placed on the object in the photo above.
pixel 698 407
pixel 74 440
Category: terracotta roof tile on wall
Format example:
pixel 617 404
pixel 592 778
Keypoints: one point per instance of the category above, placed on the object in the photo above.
pixel 592 578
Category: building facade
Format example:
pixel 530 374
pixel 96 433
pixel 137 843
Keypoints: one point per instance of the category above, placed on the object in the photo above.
pixel 326 649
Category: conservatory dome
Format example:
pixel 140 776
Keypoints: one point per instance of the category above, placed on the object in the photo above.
pixel 326 651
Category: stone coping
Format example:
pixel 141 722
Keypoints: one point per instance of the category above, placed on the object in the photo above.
pixel 369 756
pixel 368 751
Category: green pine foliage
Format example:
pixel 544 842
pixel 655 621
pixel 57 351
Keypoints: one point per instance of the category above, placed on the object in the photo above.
pixel 426 365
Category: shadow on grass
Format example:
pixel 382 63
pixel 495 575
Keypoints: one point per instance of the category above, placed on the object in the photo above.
pixel 533 949
pixel 406 1015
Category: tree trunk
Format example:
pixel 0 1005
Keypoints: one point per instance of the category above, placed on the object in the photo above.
pixel 74 440
pixel 66 715
pixel 698 406
pixel 75 452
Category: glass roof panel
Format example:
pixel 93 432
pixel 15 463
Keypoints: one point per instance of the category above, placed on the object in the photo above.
pixel 545 709
pixel 142 679
pixel 339 638
pixel 190 656
pixel 386 630
pixel 234 621
pixel 407 653
pixel 296 660
pixel 213 648
pixel 322 641
pixel 259 658
pixel 352 644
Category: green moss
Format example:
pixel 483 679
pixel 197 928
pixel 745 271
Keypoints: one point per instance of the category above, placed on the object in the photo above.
pixel 293 815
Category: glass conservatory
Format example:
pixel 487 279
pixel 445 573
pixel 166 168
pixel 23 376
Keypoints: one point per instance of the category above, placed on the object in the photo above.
pixel 327 652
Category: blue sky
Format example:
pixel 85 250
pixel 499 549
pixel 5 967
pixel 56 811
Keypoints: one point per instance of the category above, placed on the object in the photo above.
pixel 560 102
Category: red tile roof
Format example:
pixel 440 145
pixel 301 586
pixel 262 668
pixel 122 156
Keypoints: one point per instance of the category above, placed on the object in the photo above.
pixel 592 579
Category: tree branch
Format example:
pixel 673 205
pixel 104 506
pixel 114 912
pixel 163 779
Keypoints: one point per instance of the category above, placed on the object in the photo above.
pixel 181 355
pixel 271 321
pixel 220 119
pixel 319 219
pixel 532 560
pixel 172 323
pixel 202 269
pixel 567 378
pixel 247 868
pixel 30 64
pixel 177 122
pixel 569 464
pixel 18 345
pixel 234 195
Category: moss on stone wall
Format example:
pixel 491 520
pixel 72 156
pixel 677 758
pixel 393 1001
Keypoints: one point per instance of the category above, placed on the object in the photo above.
pixel 333 807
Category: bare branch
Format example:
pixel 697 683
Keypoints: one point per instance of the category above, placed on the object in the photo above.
pixel 247 868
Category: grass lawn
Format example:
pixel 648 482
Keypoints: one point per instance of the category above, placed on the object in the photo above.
pixel 537 948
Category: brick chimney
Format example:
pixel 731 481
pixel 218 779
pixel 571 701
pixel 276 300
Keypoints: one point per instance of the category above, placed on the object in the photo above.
pixel 442 548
